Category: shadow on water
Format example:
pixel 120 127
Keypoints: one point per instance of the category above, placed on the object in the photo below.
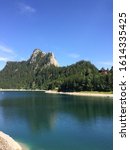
pixel 40 110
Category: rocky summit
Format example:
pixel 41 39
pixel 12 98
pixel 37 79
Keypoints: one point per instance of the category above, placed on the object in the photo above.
pixel 35 54
pixel 39 57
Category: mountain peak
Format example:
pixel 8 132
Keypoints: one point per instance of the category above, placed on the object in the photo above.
pixel 35 54
pixel 39 57
pixel 37 50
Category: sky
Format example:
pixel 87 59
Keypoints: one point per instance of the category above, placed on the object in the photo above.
pixel 72 29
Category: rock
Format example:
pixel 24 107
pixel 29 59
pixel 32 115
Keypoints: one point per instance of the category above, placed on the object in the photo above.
pixel 51 59
pixel 7 143
pixel 35 54
pixel 46 59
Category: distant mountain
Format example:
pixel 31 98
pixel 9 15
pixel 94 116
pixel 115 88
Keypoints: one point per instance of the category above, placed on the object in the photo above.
pixel 20 74
pixel 41 71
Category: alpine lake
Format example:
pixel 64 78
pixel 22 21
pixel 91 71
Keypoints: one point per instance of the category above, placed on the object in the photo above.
pixel 57 122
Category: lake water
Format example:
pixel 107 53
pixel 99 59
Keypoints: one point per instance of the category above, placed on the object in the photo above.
pixel 57 122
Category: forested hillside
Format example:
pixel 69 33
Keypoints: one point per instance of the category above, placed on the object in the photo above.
pixel 41 71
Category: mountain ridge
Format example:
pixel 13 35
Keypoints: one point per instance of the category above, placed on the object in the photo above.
pixel 42 71
pixel 36 58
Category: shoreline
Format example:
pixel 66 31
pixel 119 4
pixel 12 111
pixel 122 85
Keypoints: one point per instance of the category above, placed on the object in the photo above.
pixel 94 94
pixel 28 90
pixel 23 146
pixel 82 93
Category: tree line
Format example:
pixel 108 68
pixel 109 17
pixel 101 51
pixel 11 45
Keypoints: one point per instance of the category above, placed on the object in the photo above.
pixel 81 76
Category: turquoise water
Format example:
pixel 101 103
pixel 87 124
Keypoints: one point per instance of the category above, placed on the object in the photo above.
pixel 57 122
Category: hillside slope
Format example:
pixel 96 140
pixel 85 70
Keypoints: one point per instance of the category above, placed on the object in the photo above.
pixel 41 71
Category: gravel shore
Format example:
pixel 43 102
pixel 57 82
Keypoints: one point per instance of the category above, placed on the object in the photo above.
pixel 81 93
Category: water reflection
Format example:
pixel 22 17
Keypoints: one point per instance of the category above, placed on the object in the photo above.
pixel 40 110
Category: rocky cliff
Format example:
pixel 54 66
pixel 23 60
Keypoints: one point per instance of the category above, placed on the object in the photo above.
pixel 42 58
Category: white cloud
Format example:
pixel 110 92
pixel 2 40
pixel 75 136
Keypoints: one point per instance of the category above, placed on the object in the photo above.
pixel 74 55
pixel 24 8
pixel 6 54
pixel 6 49
pixel 3 59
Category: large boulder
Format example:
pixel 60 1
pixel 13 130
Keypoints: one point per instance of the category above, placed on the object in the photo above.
pixel 7 143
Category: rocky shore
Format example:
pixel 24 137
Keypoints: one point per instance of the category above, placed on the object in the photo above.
pixel 8 143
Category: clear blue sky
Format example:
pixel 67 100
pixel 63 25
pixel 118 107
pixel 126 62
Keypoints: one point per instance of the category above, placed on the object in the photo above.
pixel 72 29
